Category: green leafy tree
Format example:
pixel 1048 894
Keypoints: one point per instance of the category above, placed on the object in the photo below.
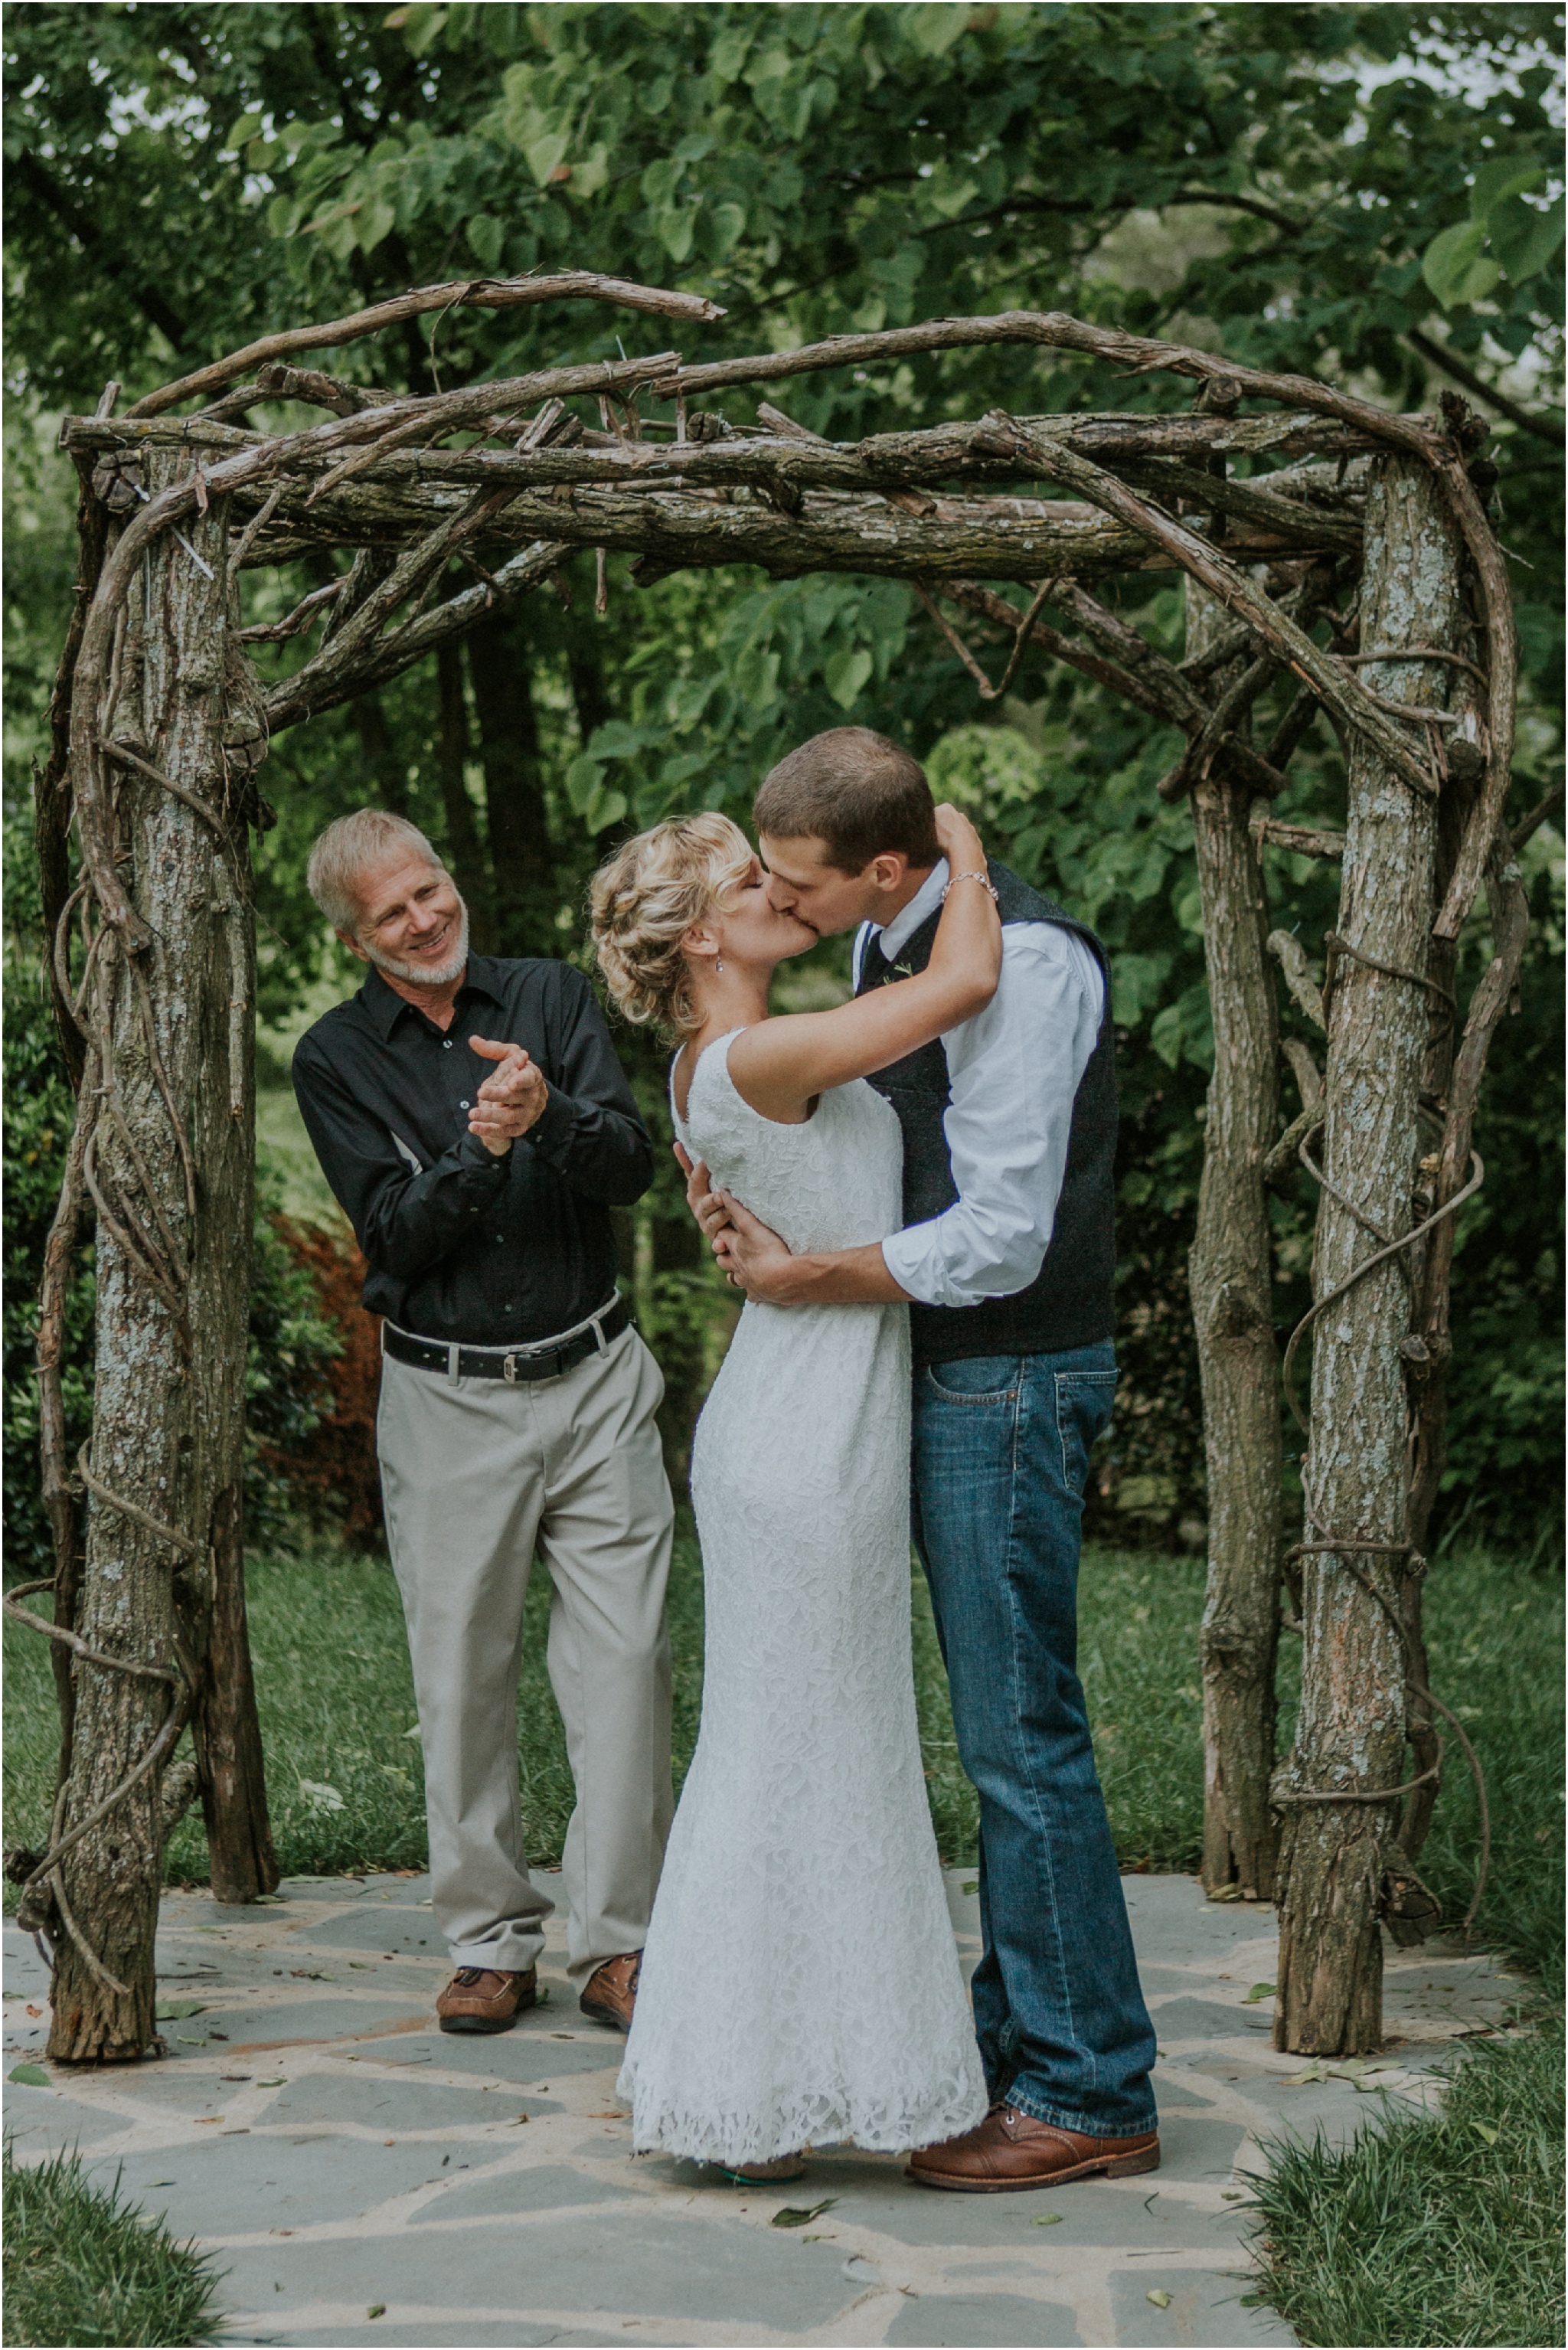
pixel 1369 193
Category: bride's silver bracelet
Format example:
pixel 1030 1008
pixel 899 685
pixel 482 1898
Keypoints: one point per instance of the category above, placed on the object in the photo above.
pixel 983 878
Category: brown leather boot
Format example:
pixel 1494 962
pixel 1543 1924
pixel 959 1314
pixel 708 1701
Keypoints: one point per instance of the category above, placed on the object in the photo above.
pixel 485 1998
pixel 1011 2149
pixel 609 1994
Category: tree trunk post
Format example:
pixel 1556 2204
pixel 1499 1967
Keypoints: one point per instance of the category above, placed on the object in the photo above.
pixel 499 664
pixel 1229 1270
pixel 1352 1732
pixel 162 1568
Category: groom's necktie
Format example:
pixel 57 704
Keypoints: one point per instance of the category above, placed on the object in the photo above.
pixel 876 969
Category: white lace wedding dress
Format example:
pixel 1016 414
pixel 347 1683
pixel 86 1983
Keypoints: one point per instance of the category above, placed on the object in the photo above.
pixel 800 1983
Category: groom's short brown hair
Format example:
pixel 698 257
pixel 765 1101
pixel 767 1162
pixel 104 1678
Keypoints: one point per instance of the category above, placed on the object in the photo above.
pixel 857 793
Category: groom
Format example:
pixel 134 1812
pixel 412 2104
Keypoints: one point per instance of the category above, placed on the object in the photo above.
pixel 1007 1258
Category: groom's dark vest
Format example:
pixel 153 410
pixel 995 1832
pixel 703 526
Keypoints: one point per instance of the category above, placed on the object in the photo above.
pixel 1069 1303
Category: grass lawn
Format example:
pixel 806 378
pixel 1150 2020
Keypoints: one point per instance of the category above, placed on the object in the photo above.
pixel 82 2267
pixel 1424 2231
pixel 345 1784
pixel 1429 2230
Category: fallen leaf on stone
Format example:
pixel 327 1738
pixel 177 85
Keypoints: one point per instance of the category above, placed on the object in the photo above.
pixel 388 2141
pixel 168 2010
pixel 1160 2300
pixel 377 2309
pixel 204 2118
pixel 309 1974
pixel 1229 2195
pixel 233 2076
pixel 190 2040
pixel 157 2182
pixel 1258 1992
pixel 792 2216
pixel 35 2011
pixel 1226 1893
pixel 615 2116
pixel 361 1964
pixel 521 2118
pixel 973 1885
pixel 1312 2072
pixel 30 2077
pixel 280 2083
pixel 1047 2220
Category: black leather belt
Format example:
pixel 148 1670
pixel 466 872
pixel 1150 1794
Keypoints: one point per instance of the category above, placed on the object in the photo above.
pixel 512 1364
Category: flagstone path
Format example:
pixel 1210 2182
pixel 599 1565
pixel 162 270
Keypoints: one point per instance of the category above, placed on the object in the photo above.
pixel 360 2179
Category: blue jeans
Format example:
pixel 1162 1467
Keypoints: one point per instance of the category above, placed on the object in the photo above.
pixel 1000 1452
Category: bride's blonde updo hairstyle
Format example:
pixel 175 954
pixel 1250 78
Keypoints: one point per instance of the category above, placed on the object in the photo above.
pixel 645 899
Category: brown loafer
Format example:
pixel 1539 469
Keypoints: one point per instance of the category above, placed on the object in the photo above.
pixel 485 1998
pixel 609 1994
pixel 1011 2149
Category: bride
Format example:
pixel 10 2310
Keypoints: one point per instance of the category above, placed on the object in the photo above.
pixel 800 1985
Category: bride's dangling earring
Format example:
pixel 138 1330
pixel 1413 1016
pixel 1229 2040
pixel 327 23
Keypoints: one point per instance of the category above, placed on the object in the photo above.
pixel 717 963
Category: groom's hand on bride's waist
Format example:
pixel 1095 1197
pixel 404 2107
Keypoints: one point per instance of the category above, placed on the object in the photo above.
pixel 702 1197
pixel 758 1262
pixel 753 1258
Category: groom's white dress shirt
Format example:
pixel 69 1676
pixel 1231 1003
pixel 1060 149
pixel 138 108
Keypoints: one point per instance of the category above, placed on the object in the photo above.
pixel 1014 1070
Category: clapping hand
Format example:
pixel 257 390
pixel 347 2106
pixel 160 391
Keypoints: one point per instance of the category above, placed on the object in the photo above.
pixel 510 1100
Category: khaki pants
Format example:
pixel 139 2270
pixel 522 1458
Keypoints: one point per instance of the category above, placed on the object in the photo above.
pixel 475 1472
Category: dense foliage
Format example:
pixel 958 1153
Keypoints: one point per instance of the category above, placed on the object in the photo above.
pixel 290 1344
pixel 1366 191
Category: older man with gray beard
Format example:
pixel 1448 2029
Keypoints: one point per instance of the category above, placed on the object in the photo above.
pixel 471 1117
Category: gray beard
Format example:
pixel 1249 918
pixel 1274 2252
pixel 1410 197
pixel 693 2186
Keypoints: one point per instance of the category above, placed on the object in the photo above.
pixel 421 974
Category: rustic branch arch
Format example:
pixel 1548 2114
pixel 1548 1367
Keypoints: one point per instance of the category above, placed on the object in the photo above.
pixel 1365 526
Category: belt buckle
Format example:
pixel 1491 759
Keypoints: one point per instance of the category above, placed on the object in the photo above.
pixel 509 1370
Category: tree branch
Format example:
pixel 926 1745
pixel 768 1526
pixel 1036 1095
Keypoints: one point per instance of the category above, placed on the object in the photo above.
pixel 1545 428
pixel 99 250
pixel 484 293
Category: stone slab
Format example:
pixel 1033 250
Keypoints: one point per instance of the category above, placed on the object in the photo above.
pixel 474 2229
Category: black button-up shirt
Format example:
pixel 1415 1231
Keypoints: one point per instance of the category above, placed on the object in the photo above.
pixel 464 1245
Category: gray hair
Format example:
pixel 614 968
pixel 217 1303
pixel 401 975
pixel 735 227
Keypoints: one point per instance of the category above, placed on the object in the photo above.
pixel 349 844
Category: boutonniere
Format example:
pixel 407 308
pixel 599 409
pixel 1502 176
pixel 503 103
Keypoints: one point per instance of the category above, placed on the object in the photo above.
pixel 901 970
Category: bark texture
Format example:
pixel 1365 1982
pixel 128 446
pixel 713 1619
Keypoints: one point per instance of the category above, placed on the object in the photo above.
pixel 520 853
pixel 1230 1272
pixel 1350 1741
pixel 461 824
pixel 173 1280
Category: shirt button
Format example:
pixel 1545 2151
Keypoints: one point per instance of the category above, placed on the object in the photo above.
pixel 462 1104
pixel 446 1044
